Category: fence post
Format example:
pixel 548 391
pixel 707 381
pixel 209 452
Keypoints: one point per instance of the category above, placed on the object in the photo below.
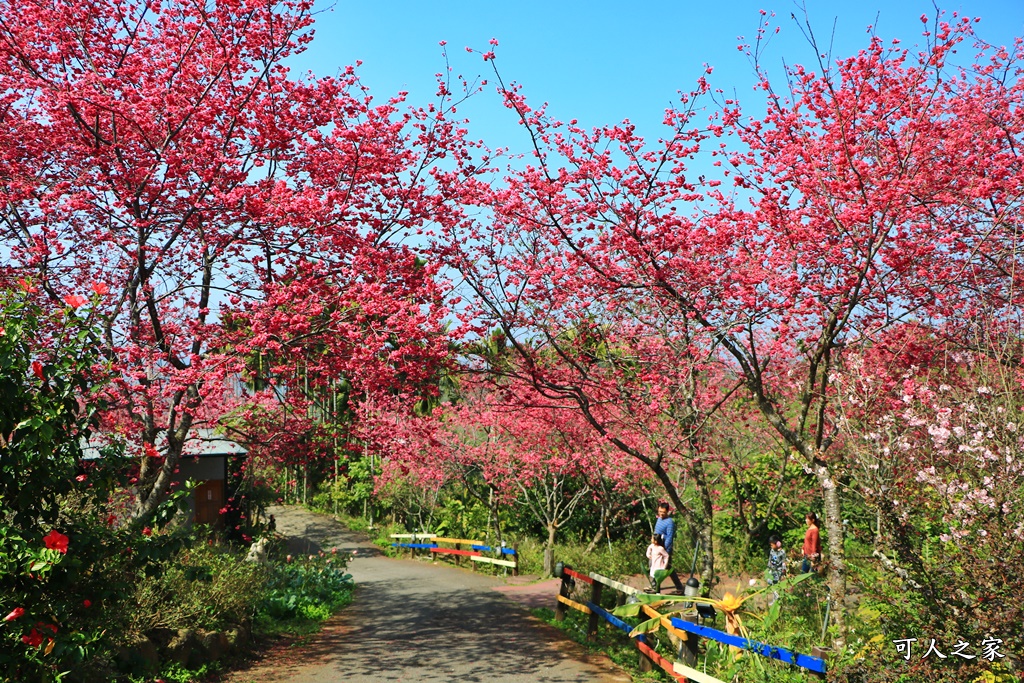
pixel 458 558
pixel 515 554
pixel 563 591
pixel 646 663
pixel 688 647
pixel 823 653
pixel 595 618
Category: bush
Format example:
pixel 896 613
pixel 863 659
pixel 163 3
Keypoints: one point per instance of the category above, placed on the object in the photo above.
pixel 304 589
pixel 625 558
pixel 55 547
pixel 207 587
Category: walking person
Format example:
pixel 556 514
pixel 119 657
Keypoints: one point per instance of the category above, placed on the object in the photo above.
pixel 657 557
pixel 667 528
pixel 812 545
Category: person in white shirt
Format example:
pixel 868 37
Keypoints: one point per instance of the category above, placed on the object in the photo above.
pixel 658 557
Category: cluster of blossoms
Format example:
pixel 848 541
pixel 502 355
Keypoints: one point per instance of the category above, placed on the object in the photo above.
pixel 35 637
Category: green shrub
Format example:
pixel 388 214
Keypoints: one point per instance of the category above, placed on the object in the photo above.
pixel 304 589
pixel 56 550
pixel 625 558
pixel 208 586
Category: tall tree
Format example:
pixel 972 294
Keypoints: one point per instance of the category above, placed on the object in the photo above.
pixel 856 204
pixel 161 154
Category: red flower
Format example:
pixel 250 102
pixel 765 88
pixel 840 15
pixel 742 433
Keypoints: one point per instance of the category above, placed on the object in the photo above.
pixel 33 639
pixel 15 613
pixel 81 477
pixel 37 369
pixel 100 288
pixel 87 603
pixel 111 519
pixel 56 541
pixel 27 286
pixel 146 531
pixel 74 301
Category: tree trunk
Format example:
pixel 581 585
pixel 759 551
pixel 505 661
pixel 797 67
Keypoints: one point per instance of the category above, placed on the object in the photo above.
pixel 600 532
pixel 146 504
pixel 836 553
pixel 707 572
pixel 705 528
pixel 148 501
pixel 549 551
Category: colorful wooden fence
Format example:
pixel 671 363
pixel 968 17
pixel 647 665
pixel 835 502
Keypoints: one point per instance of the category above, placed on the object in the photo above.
pixel 815 664
pixel 476 551
pixel 685 630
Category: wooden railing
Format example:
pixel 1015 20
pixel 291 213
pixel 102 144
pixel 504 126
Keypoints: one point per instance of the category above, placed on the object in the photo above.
pixel 476 551
pixel 685 630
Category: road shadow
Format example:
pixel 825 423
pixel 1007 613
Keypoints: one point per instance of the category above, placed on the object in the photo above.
pixel 469 637
pixel 417 620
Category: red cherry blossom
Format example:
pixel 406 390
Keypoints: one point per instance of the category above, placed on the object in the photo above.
pixel 875 193
pixel 276 226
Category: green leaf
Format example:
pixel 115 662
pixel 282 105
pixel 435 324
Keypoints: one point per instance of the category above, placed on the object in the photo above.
pixel 646 627
pixel 628 610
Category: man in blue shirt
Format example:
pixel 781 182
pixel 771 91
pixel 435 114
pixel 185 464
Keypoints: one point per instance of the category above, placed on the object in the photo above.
pixel 667 528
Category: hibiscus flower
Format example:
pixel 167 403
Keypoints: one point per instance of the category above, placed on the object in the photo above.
pixel 56 541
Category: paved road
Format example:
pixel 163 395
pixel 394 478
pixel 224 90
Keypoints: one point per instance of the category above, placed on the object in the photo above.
pixel 417 622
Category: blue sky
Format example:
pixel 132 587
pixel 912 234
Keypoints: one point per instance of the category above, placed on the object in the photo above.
pixel 602 62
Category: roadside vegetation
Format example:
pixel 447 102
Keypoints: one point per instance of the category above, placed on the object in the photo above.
pixel 88 595
pixel 805 302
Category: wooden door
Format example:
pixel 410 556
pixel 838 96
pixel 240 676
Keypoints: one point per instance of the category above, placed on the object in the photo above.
pixel 209 500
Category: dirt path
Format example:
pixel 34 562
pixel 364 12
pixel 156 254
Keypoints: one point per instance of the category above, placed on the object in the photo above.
pixel 413 621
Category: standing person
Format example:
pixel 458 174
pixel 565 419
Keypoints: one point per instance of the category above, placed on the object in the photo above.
pixel 667 528
pixel 812 544
pixel 658 558
pixel 776 560
pixel 776 563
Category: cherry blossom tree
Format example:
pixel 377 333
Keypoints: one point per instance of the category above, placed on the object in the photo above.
pixel 931 441
pixel 161 156
pixel 855 204
pixel 508 446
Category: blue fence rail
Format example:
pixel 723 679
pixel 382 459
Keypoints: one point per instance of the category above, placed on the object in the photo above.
pixel 459 548
pixel 685 631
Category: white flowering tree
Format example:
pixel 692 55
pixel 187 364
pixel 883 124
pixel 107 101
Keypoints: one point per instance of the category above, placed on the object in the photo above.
pixel 935 447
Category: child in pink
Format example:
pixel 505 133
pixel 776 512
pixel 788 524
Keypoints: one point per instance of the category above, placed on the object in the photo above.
pixel 658 557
